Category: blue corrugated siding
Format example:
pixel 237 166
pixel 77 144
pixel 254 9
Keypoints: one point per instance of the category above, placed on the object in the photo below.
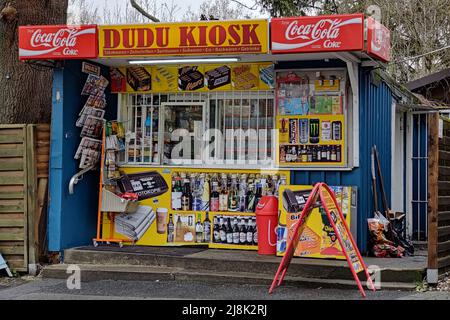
pixel 375 116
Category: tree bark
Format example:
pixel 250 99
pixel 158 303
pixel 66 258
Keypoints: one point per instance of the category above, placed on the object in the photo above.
pixel 25 92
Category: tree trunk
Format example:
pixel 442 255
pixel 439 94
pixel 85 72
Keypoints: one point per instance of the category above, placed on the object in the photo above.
pixel 25 91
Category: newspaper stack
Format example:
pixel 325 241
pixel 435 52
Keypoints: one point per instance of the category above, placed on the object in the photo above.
pixel 134 225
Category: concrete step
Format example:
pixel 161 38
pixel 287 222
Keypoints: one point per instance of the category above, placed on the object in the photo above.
pixel 231 262
pixel 91 272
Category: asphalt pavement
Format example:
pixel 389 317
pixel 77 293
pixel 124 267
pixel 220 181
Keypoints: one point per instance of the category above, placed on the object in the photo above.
pixel 53 289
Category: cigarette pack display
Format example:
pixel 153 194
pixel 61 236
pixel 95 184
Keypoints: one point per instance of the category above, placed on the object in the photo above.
pixel 118 80
pixel 243 78
pixel 139 79
pixel 190 79
pixel 218 77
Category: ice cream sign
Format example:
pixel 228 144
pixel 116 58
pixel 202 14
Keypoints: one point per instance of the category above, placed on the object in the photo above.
pixel 197 38
pixel 57 42
pixel 318 34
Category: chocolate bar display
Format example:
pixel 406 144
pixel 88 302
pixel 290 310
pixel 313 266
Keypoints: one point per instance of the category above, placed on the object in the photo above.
pixel 118 81
pixel 243 78
pixel 139 79
pixel 218 77
pixel 267 76
pixel 190 79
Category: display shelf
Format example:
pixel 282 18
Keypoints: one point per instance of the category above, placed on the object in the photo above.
pixel 217 213
pixel 231 246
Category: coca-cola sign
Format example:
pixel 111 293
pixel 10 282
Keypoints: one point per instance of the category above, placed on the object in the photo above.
pixel 58 42
pixel 378 40
pixel 317 34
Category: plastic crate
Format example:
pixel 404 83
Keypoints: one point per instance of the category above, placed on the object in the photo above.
pixel 113 203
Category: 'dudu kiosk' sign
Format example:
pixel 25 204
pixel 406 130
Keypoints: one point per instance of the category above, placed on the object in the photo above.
pixel 318 34
pixel 196 38
pixel 58 42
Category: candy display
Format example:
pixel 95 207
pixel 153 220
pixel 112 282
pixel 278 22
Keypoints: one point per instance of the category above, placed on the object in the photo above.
pixel 190 79
pixel 139 79
pixel 218 77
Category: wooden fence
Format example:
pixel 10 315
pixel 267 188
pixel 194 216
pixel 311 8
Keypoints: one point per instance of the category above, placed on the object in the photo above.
pixel 24 157
pixel 439 194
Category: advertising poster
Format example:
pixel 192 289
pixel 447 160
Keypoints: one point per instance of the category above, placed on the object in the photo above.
pixel 165 218
pixel 318 239
pixel 185 78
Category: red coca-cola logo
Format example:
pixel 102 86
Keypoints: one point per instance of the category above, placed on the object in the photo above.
pixel 57 42
pixel 313 34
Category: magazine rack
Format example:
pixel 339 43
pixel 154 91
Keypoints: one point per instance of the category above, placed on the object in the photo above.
pixel 111 214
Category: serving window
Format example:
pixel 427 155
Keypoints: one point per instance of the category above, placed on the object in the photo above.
pixel 232 128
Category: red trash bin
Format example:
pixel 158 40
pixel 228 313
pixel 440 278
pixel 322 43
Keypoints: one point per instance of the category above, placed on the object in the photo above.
pixel 267 222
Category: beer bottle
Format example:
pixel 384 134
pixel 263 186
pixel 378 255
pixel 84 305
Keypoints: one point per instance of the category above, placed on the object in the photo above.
pixel 199 230
pixel 255 232
pixel 235 231
pixel 170 229
pixel 216 231
pixel 214 201
pixel 207 229
pixel 333 154
pixel 242 232
pixel 251 199
pixel 229 232
pixel 222 231
pixel 249 239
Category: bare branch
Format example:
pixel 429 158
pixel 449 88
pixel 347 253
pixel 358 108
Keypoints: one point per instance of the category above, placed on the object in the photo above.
pixel 253 7
pixel 136 6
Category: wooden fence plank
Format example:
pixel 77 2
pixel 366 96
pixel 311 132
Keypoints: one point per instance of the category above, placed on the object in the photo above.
pixel 444 172
pixel 444 155
pixel 444 231
pixel 444 246
pixel 17 223
pixel 13 250
pixel 12 236
pixel 444 216
pixel 13 177
pixel 11 164
pixel 444 262
pixel 11 139
pixel 32 204
pixel 11 153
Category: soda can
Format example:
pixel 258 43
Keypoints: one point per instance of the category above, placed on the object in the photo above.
pixel 293 131
pixel 337 130
pixel 281 239
pixel 304 131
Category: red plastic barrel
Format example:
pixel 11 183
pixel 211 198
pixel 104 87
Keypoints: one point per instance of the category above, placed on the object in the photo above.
pixel 267 222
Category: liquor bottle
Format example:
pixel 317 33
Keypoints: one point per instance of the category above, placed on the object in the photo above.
pixel 255 232
pixel 216 231
pixel 207 229
pixel 319 153
pixel 177 192
pixel 229 232
pixel 222 231
pixel 249 238
pixel 275 183
pixel 205 194
pixel 223 197
pixel 314 154
pixel 196 196
pixel 199 230
pixel 178 230
pixel 214 201
pixel 242 232
pixel 328 153
pixel 338 154
pixel 258 195
pixel 235 231
pixel 251 199
pixel 309 154
pixel 243 193
pixel 233 200
pixel 333 154
pixel 170 229
pixel 186 196
pixel 323 156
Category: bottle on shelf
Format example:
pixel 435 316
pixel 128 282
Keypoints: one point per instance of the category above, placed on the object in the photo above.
pixel 235 231
pixel 214 203
pixel 197 196
pixel 223 197
pixel 216 230
pixel 251 198
pixel 249 238
pixel 233 200
pixel 255 232
pixel 177 192
pixel 242 232
pixel 333 156
pixel 207 229
pixel 205 193
pixel 170 230
pixel 229 232
pixel 323 156
pixel 223 231
pixel 179 229
pixel 199 229
pixel 258 195
pixel 243 193
pixel 186 196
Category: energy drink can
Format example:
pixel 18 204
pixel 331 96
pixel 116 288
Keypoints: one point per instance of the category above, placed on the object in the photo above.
pixel 293 131
pixel 337 130
pixel 314 130
pixel 304 131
